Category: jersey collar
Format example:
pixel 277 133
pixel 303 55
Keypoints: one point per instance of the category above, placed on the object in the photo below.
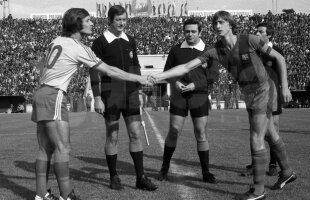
pixel 200 46
pixel 270 44
pixel 111 37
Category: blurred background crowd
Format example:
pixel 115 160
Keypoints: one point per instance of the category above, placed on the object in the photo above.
pixel 24 41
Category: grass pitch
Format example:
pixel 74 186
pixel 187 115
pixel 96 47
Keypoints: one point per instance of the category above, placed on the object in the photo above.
pixel 228 133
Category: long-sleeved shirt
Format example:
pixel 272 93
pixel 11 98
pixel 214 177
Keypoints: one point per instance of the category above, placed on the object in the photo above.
pixel 120 52
pixel 181 54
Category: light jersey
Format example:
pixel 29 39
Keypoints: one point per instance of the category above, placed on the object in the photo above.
pixel 64 56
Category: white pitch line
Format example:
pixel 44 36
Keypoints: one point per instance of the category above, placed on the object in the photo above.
pixel 183 190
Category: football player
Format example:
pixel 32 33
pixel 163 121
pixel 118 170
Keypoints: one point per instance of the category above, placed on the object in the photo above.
pixel 65 54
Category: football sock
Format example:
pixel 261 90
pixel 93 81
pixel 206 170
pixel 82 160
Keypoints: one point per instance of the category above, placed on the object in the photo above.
pixel 259 161
pixel 279 150
pixel 204 160
pixel 273 159
pixel 62 175
pixel 41 168
pixel 137 158
pixel 111 160
pixel 168 152
pixel 48 170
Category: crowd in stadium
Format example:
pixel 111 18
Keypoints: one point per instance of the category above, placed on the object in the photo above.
pixel 23 42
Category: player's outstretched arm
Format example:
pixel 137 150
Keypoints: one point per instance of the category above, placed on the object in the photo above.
pixel 178 70
pixel 119 74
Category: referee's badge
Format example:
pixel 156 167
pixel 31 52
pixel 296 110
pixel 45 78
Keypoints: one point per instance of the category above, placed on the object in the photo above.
pixel 245 57
pixel 131 54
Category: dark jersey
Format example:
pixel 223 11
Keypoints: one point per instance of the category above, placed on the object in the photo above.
pixel 271 67
pixel 243 61
pixel 122 54
pixel 179 55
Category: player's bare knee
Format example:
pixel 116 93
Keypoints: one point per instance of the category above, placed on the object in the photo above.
pixel 257 143
pixel 112 140
pixel 134 137
pixel 200 135
pixel 45 152
pixel 63 148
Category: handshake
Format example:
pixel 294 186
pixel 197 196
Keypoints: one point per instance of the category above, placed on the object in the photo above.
pixel 148 80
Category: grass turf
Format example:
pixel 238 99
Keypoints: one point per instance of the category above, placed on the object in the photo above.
pixel 228 133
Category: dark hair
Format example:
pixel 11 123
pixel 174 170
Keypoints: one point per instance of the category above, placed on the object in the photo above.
pixel 72 21
pixel 227 17
pixel 269 29
pixel 115 10
pixel 193 21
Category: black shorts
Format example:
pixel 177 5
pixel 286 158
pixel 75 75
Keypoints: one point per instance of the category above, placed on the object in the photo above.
pixel 116 103
pixel 197 104
pixel 279 99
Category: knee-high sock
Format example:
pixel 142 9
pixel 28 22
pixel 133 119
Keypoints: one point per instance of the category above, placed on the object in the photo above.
pixel 168 152
pixel 273 158
pixel 41 174
pixel 111 160
pixel 62 176
pixel 48 170
pixel 204 160
pixel 259 161
pixel 137 158
pixel 279 150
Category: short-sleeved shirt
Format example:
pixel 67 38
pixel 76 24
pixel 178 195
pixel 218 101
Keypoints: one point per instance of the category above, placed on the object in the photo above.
pixel 246 66
pixel 65 54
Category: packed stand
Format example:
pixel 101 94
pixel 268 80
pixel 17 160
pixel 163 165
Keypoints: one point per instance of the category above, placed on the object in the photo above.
pixel 24 41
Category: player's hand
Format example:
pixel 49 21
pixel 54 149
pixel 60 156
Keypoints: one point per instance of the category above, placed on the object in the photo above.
pixel 179 86
pixel 188 88
pixel 152 79
pixel 147 80
pixel 156 78
pixel 286 95
pixel 99 106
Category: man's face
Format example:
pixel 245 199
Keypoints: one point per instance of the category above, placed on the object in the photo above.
pixel 191 34
pixel 222 27
pixel 87 26
pixel 262 33
pixel 119 23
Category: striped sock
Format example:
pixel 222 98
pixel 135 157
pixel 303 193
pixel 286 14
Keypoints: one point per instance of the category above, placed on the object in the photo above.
pixel 278 148
pixel 259 161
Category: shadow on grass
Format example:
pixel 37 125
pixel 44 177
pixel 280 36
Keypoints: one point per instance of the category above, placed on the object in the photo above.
pixel 90 175
pixel 183 162
pixel 122 168
pixel 303 132
pixel 23 192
